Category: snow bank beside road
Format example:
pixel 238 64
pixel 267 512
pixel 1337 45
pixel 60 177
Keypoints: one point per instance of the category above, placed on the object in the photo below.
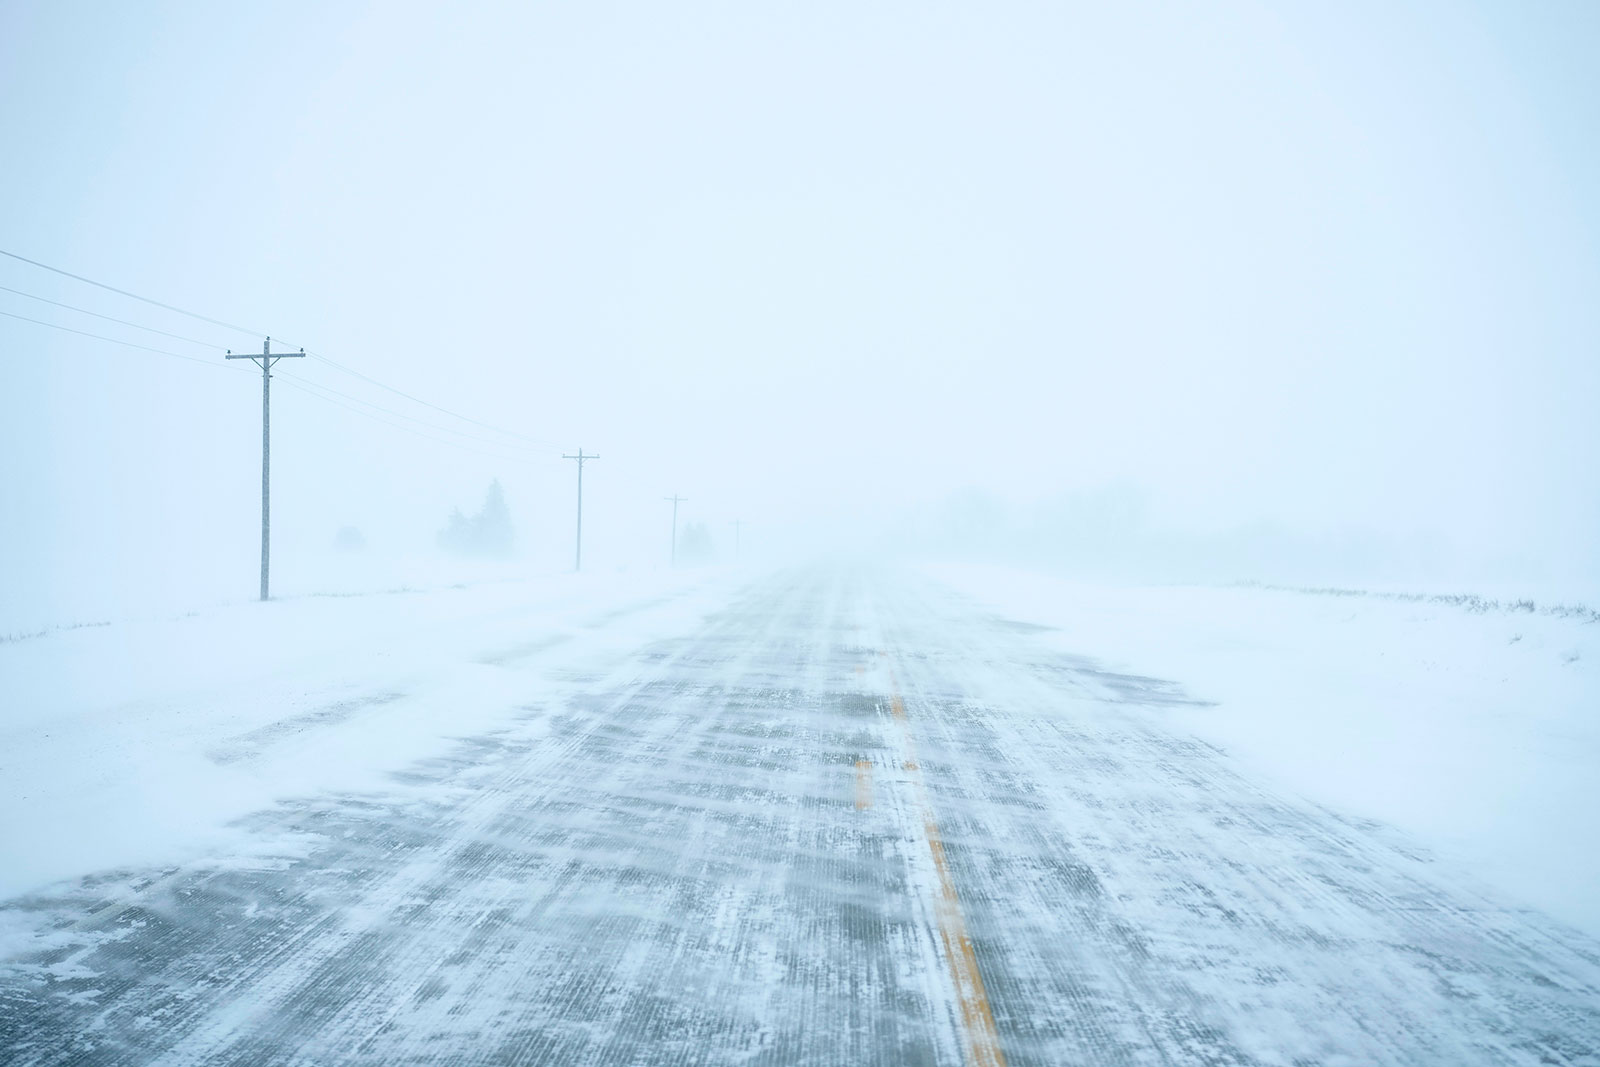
pixel 137 743
pixel 1477 734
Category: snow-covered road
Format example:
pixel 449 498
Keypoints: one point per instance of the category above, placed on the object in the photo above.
pixel 848 818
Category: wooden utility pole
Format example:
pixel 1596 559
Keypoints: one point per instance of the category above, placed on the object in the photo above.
pixel 265 360
pixel 676 500
pixel 577 564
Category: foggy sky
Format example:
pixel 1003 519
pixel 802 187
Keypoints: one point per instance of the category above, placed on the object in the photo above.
pixel 1325 270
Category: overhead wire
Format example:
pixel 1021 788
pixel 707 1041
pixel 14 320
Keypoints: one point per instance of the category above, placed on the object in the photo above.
pixel 311 390
pixel 399 415
pixel 108 318
pixel 427 404
pixel 114 340
pixel 261 333
pixel 133 296
pixel 293 381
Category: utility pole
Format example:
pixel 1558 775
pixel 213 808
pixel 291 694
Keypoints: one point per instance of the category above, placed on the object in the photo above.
pixel 265 361
pixel 737 525
pixel 577 564
pixel 676 500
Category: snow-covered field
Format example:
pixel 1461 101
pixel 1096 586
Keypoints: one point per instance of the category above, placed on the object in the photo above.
pixel 138 742
pixel 1477 733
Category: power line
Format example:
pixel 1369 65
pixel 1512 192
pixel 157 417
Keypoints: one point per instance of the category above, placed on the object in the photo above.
pixel 400 415
pixel 208 344
pixel 113 340
pixel 133 296
pixel 312 390
pixel 427 404
pixel 261 333
pixel 297 383
pixel 108 318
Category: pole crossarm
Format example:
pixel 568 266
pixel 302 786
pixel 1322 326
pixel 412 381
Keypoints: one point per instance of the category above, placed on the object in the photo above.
pixel 266 354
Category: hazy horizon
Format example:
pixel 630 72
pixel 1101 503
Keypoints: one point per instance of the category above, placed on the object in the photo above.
pixel 1151 292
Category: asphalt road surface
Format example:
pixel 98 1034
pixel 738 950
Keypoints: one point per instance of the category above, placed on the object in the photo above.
pixel 849 819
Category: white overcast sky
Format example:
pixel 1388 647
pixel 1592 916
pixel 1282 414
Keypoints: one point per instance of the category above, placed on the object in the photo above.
pixel 1331 267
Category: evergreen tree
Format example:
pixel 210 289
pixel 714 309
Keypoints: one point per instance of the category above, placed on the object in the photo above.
pixel 494 532
pixel 694 544
pixel 488 533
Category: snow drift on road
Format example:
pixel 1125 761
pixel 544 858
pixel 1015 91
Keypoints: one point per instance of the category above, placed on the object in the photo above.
pixel 1477 733
pixel 138 742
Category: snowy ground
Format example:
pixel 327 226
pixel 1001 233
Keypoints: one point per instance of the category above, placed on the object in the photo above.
pixel 1477 733
pixel 139 742
pixel 825 816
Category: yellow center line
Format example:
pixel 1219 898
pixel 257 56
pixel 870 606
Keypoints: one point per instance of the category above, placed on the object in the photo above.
pixel 863 784
pixel 977 1021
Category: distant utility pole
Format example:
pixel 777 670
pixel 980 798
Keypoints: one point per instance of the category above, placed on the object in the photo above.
pixel 265 360
pixel 737 525
pixel 676 500
pixel 582 459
